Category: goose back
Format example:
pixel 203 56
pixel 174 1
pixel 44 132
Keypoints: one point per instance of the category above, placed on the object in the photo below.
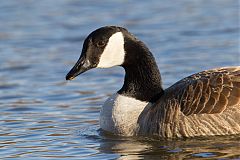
pixel 205 103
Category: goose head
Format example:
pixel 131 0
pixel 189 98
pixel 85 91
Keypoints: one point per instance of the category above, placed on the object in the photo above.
pixel 103 48
pixel 114 46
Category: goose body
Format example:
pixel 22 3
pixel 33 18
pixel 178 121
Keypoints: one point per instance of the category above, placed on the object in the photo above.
pixel 203 104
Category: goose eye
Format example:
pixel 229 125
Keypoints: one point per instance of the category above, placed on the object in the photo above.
pixel 100 43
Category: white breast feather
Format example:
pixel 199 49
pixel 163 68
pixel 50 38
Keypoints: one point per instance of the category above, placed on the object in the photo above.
pixel 119 114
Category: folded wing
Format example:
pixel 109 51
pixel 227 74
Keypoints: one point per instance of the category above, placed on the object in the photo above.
pixel 210 91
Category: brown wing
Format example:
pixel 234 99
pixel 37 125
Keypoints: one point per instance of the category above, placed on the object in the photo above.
pixel 210 91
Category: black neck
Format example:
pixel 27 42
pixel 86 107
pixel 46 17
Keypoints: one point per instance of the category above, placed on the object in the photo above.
pixel 142 80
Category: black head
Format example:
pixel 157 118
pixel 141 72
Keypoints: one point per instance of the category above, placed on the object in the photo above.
pixel 103 48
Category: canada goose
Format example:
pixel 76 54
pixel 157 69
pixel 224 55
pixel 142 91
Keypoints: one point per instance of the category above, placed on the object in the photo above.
pixel 203 104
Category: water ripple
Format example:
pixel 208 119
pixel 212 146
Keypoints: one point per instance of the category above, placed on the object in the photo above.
pixel 44 117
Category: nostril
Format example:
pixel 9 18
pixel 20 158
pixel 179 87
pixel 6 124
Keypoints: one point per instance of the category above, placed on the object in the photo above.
pixel 82 62
pixel 86 64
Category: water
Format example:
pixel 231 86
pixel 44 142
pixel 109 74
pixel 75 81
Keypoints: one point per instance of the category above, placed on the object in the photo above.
pixel 44 117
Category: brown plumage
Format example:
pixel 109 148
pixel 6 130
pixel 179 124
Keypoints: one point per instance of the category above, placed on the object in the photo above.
pixel 209 91
pixel 205 103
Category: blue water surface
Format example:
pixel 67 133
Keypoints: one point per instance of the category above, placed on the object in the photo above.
pixel 44 117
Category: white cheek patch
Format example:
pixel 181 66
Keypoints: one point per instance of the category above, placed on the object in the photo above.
pixel 113 54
